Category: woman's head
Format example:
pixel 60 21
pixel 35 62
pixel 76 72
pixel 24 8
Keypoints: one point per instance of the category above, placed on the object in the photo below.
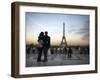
pixel 41 34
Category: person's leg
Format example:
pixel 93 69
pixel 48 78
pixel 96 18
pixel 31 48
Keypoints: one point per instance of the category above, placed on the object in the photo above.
pixel 70 55
pixel 45 53
pixel 39 54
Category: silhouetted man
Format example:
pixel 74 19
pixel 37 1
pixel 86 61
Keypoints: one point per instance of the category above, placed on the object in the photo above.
pixel 46 45
pixel 69 52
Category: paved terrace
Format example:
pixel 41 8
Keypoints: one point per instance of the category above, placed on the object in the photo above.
pixel 58 59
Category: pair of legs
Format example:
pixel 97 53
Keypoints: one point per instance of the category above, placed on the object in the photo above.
pixel 44 50
pixel 39 54
pixel 69 55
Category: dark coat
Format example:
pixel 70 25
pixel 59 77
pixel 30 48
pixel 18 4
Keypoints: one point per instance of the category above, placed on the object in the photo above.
pixel 46 41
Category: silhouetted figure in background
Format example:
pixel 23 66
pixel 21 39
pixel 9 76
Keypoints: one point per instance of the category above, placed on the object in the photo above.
pixel 52 51
pixel 46 45
pixel 40 46
pixel 28 50
pixel 65 50
pixel 69 52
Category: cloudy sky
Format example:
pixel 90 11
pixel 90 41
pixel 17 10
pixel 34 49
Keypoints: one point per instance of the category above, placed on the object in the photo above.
pixel 76 27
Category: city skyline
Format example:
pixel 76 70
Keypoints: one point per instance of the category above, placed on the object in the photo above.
pixel 76 27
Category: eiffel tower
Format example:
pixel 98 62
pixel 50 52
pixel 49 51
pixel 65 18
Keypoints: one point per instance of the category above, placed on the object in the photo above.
pixel 63 42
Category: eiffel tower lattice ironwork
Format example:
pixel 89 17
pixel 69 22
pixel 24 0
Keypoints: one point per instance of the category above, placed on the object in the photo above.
pixel 63 42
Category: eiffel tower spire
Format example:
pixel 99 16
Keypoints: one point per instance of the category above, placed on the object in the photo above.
pixel 63 42
pixel 63 29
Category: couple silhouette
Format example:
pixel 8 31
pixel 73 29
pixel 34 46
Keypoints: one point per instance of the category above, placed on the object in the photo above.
pixel 43 46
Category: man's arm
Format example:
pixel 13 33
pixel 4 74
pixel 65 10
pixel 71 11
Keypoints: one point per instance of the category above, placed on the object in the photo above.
pixel 49 42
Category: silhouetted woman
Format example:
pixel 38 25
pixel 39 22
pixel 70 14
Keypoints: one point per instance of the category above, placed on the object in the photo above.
pixel 40 46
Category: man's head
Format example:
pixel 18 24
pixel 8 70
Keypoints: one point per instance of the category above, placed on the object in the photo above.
pixel 46 33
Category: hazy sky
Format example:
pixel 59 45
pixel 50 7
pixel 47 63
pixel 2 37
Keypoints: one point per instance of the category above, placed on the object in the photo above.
pixel 76 27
